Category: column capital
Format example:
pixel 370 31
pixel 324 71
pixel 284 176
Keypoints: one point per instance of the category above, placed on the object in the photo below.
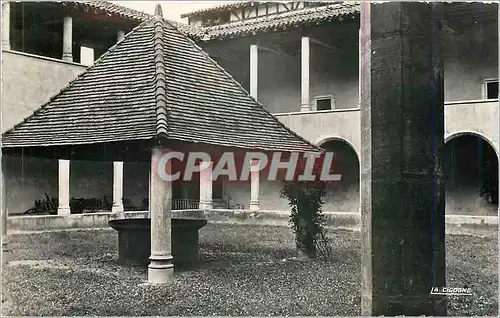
pixel 255 165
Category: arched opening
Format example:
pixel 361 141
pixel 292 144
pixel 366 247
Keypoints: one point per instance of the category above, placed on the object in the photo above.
pixel 471 176
pixel 343 196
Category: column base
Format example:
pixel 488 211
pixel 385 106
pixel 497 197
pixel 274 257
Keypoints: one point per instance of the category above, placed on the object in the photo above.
pixel 5 46
pixel 305 108
pixel 63 210
pixel 117 208
pixel 161 270
pixel 206 206
pixel 254 206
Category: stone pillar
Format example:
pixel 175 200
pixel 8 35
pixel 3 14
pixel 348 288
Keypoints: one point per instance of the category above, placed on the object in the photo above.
pixel 149 195
pixel 254 70
pixel 402 136
pixel 6 25
pixel 305 104
pixel 117 187
pixel 5 249
pixel 63 199
pixel 120 35
pixel 206 201
pixel 68 39
pixel 498 114
pixel 359 69
pixel 360 84
pixel 161 268
pixel 254 184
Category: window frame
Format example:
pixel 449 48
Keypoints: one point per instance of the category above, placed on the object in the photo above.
pixel 485 87
pixel 331 97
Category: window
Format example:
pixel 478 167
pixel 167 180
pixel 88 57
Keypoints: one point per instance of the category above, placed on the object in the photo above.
pixel 86 55
pixel 491 87
pixel 324 102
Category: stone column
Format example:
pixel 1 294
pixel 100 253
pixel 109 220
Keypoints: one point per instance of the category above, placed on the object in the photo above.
pixel 359 68
pixel 63 199
pixel 402 136
pixel 254 184
pixel 305 104
pixel 254 70
pixel 161 268
pixel 68 39
pixel 6 25
pixel 206 201
pixel 117 187
pixel 120 35
pixel 5 249
pixel 498 145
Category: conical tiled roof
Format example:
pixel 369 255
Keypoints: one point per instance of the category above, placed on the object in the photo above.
pixel 155 82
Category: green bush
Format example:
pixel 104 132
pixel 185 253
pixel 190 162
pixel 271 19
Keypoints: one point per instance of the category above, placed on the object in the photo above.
pixel 307 219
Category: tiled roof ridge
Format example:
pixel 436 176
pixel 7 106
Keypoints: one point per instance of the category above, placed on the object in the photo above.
pixel 160 79
pixel 280 21
pixel 226 73
pixel 218 8
pixel 129 13
pixel 72 82
pixel 277 16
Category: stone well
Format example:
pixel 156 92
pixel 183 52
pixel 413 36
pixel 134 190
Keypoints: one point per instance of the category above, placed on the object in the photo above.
pixel 134 240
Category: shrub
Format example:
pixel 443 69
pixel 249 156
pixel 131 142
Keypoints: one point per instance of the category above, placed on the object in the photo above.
pixel 307 219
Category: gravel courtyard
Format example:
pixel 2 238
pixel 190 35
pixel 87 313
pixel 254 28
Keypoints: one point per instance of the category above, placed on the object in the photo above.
pixel 245 270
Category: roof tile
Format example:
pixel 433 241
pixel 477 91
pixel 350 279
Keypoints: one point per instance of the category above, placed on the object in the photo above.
pixel 282 21
pixel 155 82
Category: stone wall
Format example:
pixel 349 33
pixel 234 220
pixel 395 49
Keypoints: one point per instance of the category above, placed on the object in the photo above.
pixel 29 81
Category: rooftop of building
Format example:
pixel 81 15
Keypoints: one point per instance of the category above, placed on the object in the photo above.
pixel 327 12
pixel 124 97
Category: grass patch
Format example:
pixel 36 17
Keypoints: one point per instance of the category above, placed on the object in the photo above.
pixel 247 270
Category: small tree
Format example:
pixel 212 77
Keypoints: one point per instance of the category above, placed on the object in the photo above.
pixel 306 218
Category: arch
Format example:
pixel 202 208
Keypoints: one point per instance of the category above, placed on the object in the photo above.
pixel 470 174
pixel 324 139
pixel 475 134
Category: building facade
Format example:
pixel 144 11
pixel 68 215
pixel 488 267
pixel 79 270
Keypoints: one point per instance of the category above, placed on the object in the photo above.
pixel 300 60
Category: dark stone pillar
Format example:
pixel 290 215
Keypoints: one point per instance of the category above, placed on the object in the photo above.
pixel 402 120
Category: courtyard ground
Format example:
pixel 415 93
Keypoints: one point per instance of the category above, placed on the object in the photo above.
pixel 246 270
